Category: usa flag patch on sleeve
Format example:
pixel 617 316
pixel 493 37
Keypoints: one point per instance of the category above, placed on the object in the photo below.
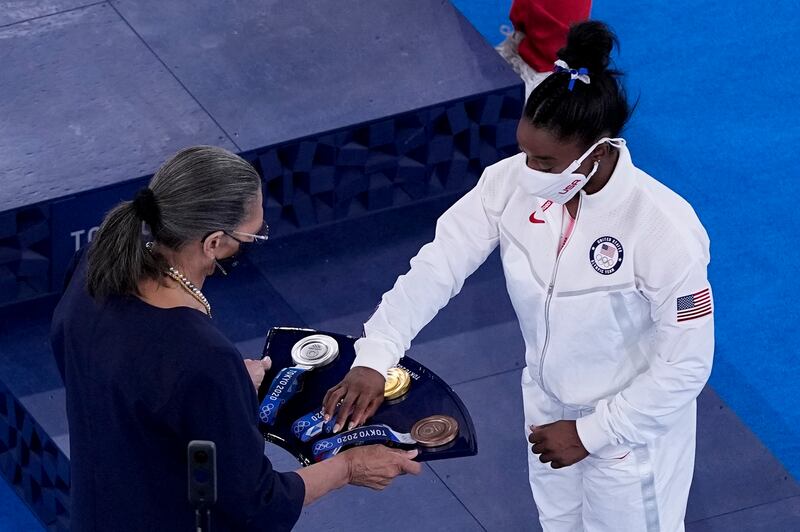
pixel 694 305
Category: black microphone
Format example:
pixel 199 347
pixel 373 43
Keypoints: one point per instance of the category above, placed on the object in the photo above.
pixel 202 458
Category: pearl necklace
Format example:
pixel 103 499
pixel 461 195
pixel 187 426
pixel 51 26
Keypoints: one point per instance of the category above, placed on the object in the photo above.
pixel 187 285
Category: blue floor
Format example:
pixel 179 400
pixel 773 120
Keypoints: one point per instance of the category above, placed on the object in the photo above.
pixel 14 515
pixel 717 122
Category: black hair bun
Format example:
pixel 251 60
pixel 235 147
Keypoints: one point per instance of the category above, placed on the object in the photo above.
pixel 589 46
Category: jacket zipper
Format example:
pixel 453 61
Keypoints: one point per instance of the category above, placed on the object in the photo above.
pixel 550 290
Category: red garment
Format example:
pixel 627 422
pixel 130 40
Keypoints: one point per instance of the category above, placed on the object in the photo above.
pixel 545 24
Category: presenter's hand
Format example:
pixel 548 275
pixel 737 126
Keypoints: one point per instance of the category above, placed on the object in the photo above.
pixel 257 369
pixel 557 443
pixel 375 466
pixel 360 394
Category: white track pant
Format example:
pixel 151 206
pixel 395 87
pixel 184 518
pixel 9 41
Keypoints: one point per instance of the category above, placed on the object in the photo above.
pixel 630 490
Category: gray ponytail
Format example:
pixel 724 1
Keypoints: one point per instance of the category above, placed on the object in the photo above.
pixel 198 191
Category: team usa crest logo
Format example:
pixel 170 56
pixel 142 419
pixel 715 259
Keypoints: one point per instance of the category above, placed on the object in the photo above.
pixel 606 255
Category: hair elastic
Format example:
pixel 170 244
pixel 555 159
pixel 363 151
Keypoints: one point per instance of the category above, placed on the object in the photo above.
pixel 146 208
pixel 581 74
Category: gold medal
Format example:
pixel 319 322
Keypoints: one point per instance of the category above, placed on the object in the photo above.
pixel 398 381
pixel 435 431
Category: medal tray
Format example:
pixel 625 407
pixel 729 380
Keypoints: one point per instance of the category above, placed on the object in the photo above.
pixel 428 395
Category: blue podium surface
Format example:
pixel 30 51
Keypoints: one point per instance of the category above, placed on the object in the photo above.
pixel 344 107
pixel 269 72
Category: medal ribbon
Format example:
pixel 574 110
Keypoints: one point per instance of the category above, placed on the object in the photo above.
pixel 328 447
pixel 312 424
pixel 285 384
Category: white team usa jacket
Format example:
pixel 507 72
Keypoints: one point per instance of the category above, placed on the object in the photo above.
pixel 620 323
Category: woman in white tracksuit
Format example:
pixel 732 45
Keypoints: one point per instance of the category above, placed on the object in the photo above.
pixel 606 269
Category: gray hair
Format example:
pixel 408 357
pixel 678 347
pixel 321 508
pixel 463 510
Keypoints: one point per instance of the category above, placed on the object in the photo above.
pixel 199 190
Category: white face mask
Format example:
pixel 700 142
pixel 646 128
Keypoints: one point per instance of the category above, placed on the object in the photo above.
pixel 562 187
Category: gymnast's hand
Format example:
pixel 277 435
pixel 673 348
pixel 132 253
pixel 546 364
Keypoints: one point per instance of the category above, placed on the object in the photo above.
pixel 557 443
pixel 358 397
pixel 257 369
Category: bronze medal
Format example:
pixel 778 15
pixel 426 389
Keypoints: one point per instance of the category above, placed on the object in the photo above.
pixel 435 431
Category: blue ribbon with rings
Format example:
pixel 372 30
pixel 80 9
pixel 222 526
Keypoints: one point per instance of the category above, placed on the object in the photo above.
pixel 312 424
pixel 283 387
pixel 329 447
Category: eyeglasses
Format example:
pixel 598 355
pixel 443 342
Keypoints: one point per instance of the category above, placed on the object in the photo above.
pixel 261 236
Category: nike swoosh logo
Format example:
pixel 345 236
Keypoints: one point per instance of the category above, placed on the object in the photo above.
pixel 534 219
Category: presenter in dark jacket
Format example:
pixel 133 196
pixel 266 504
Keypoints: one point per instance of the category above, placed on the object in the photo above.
pixel 147 371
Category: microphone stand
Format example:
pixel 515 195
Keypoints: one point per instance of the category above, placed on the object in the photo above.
pixel 202 479
pixel 202 518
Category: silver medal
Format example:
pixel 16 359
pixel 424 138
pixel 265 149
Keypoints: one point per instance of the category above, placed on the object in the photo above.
pixel 315 351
